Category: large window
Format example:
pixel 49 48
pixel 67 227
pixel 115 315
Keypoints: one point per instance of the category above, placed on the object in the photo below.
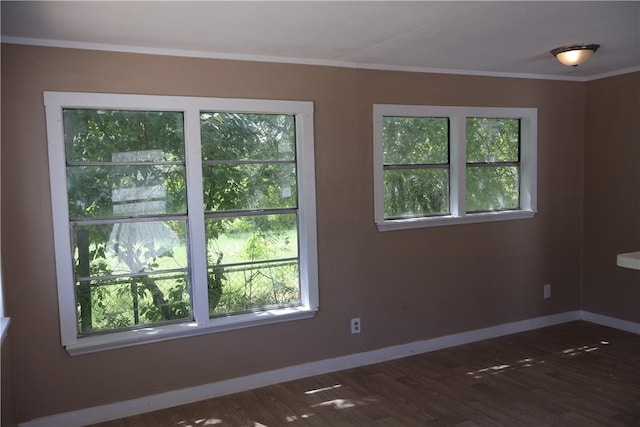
pixel 176 216
pixel 447 165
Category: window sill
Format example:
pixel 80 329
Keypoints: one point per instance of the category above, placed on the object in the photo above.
pixel 149 335
pixel 629 260
pixel 439 221
pixel 4 325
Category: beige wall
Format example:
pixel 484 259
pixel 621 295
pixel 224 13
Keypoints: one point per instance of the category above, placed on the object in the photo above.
pixel 7 418
pixel 612 196
pixel 405 285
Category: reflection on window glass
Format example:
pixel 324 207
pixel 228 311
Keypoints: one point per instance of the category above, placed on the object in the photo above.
pixel 238 136
pixel 416 166
pixel 96 135
pixel 492 188
pixel 122 303
pixel 493 140
pixel 250 198
pixel 253 287
pixel 249 186
pixel 126 169
pixel 415 140
pixel 493 143
pixel 416 192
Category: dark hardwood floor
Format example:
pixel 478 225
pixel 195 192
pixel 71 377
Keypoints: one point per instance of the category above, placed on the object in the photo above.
pixel 574 374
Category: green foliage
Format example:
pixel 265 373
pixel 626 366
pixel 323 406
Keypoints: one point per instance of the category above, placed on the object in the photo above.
pixel 215 278
pixel 496 142
pixel 248 275
pixel 493 140
pixel 416 140
pixel 249 164
pixel 142 300
pixel 416 156
pixel 131 164
pixel 259 286
pixel 420 188
pixel 249 161
pixel 492 188
pixel 235 137
pixel 416 192
pixel 94 139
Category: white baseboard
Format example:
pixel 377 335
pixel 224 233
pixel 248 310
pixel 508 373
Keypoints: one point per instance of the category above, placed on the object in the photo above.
pixel 612 322
pixel 208 391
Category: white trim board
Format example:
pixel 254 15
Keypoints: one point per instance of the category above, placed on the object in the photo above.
pixel 169 399
pixel 146 50
pixel 612 322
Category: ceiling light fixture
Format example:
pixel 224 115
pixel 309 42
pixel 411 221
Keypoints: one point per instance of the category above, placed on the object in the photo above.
pixel 575 55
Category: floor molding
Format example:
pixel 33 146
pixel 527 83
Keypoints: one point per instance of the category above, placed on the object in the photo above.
pixel 208 391
pixel 612 322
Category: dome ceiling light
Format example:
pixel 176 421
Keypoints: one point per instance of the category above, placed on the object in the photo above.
pixel 575 55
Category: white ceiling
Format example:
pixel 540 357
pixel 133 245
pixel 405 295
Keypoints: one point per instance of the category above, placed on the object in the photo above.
pixel 489 38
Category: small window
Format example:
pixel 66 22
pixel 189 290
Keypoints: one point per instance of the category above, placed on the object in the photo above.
pixel 493 164
pixel 416 166
pixel 177 216
pixel 447 165
pixel 250 208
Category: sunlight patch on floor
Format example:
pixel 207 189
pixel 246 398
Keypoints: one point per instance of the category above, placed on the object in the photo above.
pixel 318 390
pixel 579 350
pixel 529 362
pixel 499 369
pixel 294 418
pixel 336 403
pixel 200 422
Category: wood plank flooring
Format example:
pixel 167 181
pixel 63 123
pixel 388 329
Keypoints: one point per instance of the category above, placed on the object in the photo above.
pixel 574 374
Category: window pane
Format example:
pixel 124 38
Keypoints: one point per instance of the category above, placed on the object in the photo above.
pixel 251 238
pixel 233 136
pixel 97 135
pixel 492 188
pixel 253 287
pixel 249 164
pixel 124 191
pixel 493 140
pixel 129 247
pixel 415 140
pixel 130 302
pixel 249 186
pixel 416 192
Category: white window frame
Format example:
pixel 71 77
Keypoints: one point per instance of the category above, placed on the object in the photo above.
pixel 191 107
pixel 457 157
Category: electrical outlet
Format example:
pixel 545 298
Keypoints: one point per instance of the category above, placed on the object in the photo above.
pixel 547 291
pixel 355 326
